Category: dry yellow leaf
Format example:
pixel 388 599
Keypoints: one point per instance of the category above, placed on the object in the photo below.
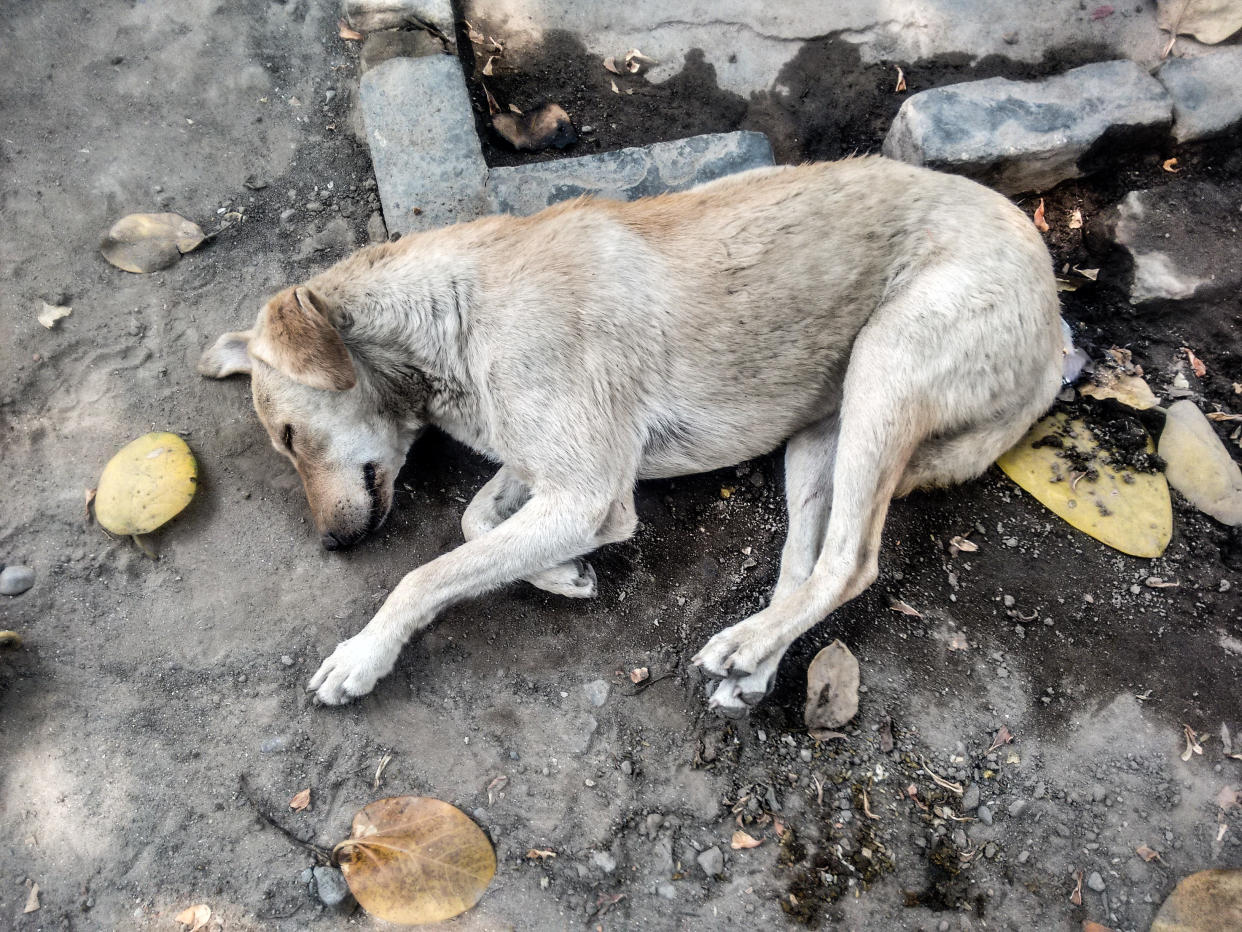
pixel 1209 899
pixel 743 840
pixel 32 899
pixel 195 917
pixel 415 860
pixel 1128 510
pixel 1131 390
pixel 300 800
pixel 150 242
pixel 146 484
pixel 10 639
pixel 1199 466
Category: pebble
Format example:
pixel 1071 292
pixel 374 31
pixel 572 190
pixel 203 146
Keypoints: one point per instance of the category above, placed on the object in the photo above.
pixel 604 861
pixel 1096 882
pixel 985 815
pixel 331 886
pixel 805 755
pixel 1041 790
pixel 306 876
pixel 990 850
pixel 627 768
pixel 1024 857
pixel 274 745
pixel 654 821
pixel 1017 807
pixel 666 889
pixel 712 861
pixel 970 799
pixel 14 580
pixel 287 215
pixel 596 692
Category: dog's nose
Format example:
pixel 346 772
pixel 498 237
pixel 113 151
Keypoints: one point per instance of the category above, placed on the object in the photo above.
pixel 331 542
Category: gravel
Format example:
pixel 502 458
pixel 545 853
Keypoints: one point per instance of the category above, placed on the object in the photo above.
pixel 330 885
pixel 1096 882
pixel 712 861
pixel 14 580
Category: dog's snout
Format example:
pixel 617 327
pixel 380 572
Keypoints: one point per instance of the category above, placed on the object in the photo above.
pixel 331 542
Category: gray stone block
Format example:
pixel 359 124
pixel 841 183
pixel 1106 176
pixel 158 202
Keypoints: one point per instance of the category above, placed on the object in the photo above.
pixel 420 127
pixel 379 47
pixel 626 174
pixel 1027 135
pixel 1180 240
pixel 372 15
pixel 1206 98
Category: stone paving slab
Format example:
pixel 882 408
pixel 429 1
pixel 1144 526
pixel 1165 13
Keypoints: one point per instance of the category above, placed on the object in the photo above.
pixel 371 15
pixel 420 127
pixel 1207 99
pixel 627 174
pixel 1022 136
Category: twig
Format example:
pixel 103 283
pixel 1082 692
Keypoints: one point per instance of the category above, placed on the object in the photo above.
pixel 323 855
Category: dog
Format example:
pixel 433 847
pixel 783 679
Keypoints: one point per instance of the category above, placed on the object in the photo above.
pixel 895 327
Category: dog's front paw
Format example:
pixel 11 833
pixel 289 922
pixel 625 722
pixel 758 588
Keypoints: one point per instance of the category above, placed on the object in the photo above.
pixel 574 580
pixel 354 668
pixel 735 650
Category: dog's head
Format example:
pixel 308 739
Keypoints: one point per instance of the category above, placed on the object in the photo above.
pixel 320 410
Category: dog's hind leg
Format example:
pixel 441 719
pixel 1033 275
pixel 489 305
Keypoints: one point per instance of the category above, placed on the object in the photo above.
pixel 809 458
pixel 504 494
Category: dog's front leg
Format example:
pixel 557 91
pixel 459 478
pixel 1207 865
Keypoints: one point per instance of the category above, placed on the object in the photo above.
pixel 549 529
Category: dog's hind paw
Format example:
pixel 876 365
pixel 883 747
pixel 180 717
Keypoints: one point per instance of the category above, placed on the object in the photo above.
pixel 353 669
pixel 574 579
pixel 738 693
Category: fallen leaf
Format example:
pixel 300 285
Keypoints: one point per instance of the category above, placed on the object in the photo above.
pixel 514 108
pixel 1065 284
pixel 901 82
pixel 1075 220
pixel 1148 854
pixel 143 243
pixel 610 64
pixel 941 781
pixel 1109 382
pixel 1128 510
pixel 1040 223
pixel 638 674
pixel 541 854
pixel 487 66
pixel 10 640
pixel 493 108
pixel 494 788
pixel 1089 926
pixel 196 917
pixel 741 841
pixel 833 671
pixel 1224 416
pixel 827 734
pixel 896 605
pixel 413 860
pixel 726 491
pixel 379 771
pixel 543 127
pixel 1091 274
pixel 52 313
pixel 89 495
pixel 1198 465
pixel 1001 738
pixel 1229 798
pixel 1196 363
pixel 1192 743
pixel 300 800
pixel 636 62
pixel 146 484
pixel 867 807
pixel 345 32
pixel 32 899
pixel 1170 165
pixel 1209 21
pixel 615 89
pixel 1209 899
pixel 1076 896
pixel 962 545
pixel 1155 582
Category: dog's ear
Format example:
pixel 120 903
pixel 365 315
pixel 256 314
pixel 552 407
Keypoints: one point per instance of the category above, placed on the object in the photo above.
pixel 229 355
pixel 296 338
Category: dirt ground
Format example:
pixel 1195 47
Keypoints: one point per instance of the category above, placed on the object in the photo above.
pixel 144 690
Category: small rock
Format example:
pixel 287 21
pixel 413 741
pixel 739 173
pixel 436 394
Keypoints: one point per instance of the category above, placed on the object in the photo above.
pixel 1017 807
pixel 985 815
pixel 990 850
pixel 604 861
pixel 274 745
pixel 805 755
pixel 1096 882
pixel 330 885
pixel 306 876
pixel 712 861
pixel 596 692
pixel 287 215
pixel 286 660
pixel 1098 792
pixel 970 799
pixel 627 768
pixel 653 823
pixel 667 891
pixel 1041 790
pixel 1024 857
pixel 377 232
pixel 14 580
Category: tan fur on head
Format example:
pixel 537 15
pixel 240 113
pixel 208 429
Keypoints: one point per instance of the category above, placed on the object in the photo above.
pixel 295 337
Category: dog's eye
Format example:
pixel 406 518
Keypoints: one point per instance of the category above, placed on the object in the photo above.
pixel 288 437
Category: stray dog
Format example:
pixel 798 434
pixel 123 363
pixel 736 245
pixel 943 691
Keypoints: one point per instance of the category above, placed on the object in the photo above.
pixel 896 326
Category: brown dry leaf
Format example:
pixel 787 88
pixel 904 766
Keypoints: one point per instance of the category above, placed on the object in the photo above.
pixel 1076 896
pixel 1131 390
pixel 610 64
pixel 1170 165
pixel 345 32
pixel 514 108
pixel 1148 854
pixel 741 840
pixel 1075 220
pixel 540 854
pixel 494 788
pixel 1224 416
pixel 10 639
pixel 827 734
pixel 487 66
pixel 1002 737
pixel 414 859
pixel 1155 582
pixel 901 82
pixel 1192 743
pixel 1228 798
pixel 195 917
pixel 638 674
pixel 32 899
pixel 615 89
pixel 636 62
pixel 300 800
pixel 832 682
pixel 1195 362
pixel 897 605
pixel 867 807
pixel 1040 223
pixel 1089 926
pixel 545 126
pixel 1091 274
pixel 493 108
pixel 144 243
pixel 962 545
pixel 51 313
pixel 1209 21
pixel 1206 900
pixel 379 771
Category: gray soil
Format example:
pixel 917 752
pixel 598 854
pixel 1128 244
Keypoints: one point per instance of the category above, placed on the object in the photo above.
pixel 145 689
